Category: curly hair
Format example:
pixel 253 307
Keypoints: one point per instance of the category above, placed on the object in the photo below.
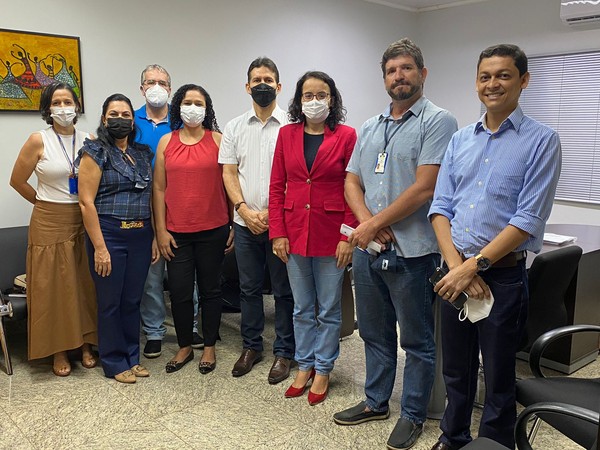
pixel 337 112
pixel 210 120
pixel 46 100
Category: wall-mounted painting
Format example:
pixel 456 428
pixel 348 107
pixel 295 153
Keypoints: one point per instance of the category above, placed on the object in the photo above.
pixel 30 61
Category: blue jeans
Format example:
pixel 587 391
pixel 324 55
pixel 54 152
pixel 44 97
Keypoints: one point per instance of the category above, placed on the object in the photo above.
pixel 119 294
pixel 317 287
pixel 384 300
pixel 498 336
pixel 253 252
pixel 152 308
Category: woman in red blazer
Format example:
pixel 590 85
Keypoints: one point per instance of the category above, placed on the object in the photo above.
pixel 306 209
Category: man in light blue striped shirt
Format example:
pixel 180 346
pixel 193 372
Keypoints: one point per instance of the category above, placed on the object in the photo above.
pixel 492 199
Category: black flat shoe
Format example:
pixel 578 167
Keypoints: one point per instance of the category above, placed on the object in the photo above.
pixel 174 366
pixel 206 367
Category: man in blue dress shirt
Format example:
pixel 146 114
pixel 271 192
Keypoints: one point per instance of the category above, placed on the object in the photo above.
pixel 492 199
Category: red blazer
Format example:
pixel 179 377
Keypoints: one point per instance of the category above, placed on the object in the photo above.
pixel 308 208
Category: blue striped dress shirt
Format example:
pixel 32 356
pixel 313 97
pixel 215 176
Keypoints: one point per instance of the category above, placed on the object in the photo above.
pixel 490 180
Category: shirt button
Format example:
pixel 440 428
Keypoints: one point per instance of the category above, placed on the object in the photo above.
pixel 471 206
pixel 479 183
pixel 467 229
pixel 308 181
pixel 307 206
pixel 381 182
pixel 487 160
pixel 379 205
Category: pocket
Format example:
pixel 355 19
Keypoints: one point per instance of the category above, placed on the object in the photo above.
pixel 407 147
pixel 505 187
pixel 333 206
pixel 288 205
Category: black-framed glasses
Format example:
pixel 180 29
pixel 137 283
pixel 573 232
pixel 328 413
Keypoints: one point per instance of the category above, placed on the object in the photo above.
pixel 308 96
pixel 161 83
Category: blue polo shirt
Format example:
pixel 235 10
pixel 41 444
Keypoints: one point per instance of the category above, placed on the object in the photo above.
pixel 149 133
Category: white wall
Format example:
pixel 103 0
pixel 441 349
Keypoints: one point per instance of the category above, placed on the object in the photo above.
pixel 451 40
pixel 212 43
pixel 209 43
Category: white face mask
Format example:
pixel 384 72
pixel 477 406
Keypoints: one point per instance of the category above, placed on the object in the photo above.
pixel 157 96
pixel 192 115
pixel 316 110
pixel 63 116
pixel 476 310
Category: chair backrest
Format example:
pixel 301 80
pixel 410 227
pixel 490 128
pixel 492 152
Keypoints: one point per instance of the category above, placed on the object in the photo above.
pixel 551 280
pixel 13 249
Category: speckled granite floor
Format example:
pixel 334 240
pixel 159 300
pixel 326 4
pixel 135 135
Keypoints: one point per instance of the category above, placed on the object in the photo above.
pixel 188 410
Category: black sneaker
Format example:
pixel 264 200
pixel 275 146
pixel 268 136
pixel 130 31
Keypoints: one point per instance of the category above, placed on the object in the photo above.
pixel 357 414
pixel 197 341
pixel 404 435
pixel 153 348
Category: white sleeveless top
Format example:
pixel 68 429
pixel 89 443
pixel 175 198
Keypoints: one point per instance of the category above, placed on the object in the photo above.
pixel 54 166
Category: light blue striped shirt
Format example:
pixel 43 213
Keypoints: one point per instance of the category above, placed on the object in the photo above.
pixel 419 137
pixel 490 180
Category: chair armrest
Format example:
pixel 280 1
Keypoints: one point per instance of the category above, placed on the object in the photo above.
pixel 549 407
pixel 538 347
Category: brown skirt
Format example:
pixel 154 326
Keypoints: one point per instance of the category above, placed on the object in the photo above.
pixel 61 299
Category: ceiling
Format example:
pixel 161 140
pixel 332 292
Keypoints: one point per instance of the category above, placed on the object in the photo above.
pixel 423 5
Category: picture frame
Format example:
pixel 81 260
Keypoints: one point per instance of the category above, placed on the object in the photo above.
pixel 29 61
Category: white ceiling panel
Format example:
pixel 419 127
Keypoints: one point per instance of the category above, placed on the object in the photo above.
pixel 423 5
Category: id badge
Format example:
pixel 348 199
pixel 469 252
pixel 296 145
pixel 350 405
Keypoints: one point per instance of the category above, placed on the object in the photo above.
pixel 381 162
pixel 73 190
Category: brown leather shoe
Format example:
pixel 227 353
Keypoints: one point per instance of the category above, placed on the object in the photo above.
pixel 280 370
pixel 441 446
pixel 246 361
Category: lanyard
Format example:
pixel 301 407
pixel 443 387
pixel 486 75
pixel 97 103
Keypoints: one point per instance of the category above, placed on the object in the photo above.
pixel 387 138
pixel 70 161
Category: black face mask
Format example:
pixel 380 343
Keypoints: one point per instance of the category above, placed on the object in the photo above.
pixel 118 127
pixel 263 94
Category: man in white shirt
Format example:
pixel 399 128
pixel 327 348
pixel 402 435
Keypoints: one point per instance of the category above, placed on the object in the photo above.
pixel 246 153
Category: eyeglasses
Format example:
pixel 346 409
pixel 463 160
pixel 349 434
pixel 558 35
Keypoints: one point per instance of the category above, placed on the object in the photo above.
pixel 161 83
pixel 308 96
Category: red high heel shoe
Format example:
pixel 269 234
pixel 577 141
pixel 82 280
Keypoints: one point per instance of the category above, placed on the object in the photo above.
pixel 315 399
pixel 297 392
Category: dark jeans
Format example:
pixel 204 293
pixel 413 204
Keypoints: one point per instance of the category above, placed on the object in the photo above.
pixel 498 337
pixel 119 294
pixel 198 256
pixel 253 252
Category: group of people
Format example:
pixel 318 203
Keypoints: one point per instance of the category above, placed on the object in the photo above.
pixel 276 187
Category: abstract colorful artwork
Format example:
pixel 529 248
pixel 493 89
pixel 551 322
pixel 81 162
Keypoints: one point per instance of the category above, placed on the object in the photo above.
pixel 30 61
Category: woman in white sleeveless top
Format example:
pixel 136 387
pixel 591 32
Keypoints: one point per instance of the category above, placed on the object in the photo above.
pixel 61 301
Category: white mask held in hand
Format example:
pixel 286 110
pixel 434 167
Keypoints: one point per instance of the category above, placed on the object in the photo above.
pixel 316 110
pixel 192 115
pixel 63 116
pixel 476 310
pixel 157 96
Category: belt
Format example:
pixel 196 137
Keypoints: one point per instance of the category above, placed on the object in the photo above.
pixel 509 260
pixel 129 224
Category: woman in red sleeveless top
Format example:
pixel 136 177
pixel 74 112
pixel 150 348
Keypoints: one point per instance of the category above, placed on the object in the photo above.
pixel 192 219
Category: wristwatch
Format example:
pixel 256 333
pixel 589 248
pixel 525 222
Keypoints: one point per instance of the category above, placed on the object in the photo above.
pixel 483 263
pixel 238 204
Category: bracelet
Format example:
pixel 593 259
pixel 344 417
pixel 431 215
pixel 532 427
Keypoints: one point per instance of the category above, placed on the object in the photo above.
pixel 238 204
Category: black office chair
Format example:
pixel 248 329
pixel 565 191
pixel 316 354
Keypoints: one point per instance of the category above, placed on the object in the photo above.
pixel 580 392
pixel 558 410
pixel 551 279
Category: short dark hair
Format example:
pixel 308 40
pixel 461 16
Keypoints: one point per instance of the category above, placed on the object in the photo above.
pixel 514 51
pixel 102 132
pixel 210 119
pixel 46 100
pixel 337 112
pixel 403 47
pixel 263 61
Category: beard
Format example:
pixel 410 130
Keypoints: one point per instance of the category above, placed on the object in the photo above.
pixel 403 95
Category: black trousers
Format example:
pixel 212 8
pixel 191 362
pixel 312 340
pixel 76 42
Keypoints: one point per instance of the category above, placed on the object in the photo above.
pixel 198 257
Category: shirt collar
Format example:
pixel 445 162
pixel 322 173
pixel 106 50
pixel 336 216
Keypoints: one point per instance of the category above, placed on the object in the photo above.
pixel 414 110
pixel 142 114
pixel 277 115
pixel 514 119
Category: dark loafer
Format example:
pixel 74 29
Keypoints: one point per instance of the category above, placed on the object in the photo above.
pixel 246 361
pixel 280 370
pixel 174 366
pixel 357 414
pixel 404 435
pixel 441 446
pixel 206 367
